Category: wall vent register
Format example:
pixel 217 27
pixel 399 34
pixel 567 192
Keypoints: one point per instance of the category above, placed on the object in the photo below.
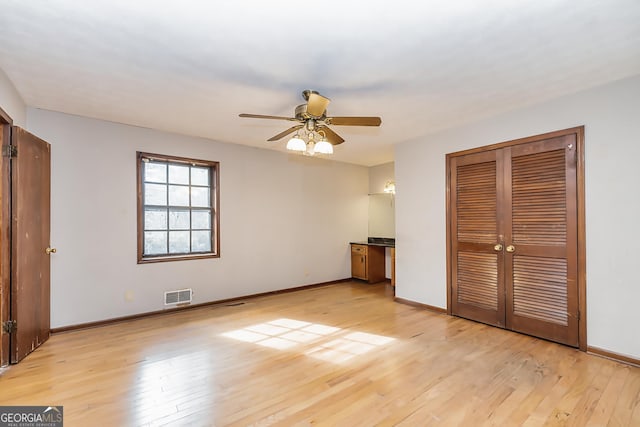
pixel 180 296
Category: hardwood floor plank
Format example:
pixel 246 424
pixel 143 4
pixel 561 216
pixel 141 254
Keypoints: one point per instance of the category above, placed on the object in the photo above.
pixel 628 401
pixel 340 355
pixel 609 399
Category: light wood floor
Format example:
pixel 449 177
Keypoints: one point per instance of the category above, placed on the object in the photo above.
pixel 342 355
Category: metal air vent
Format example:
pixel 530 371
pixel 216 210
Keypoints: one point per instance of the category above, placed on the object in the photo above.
pixel 178 297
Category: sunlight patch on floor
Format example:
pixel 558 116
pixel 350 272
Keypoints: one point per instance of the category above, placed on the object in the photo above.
pixel 331 344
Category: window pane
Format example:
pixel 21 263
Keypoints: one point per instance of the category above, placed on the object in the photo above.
pixel 178 220
pixel 199 176
pixel 178 195
pixel 155 172
pixel 200 219
pixel 178 242
pixel 155 219
pixel 155 194
pixel 201 241
pixel 176 211
pixel 178 174
pixel 155 242
pixel 200 197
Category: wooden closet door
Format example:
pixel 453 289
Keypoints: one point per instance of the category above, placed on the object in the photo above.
pixel 477 264
pixel 516 254
pixel 541 239
pixel 30 264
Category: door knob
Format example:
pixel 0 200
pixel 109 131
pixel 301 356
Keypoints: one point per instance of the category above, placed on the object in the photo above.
pixel 497 247
pixel 50 251
pixel 511 248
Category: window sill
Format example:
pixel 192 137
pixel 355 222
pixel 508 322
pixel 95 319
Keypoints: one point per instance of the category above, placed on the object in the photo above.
pixel 168 258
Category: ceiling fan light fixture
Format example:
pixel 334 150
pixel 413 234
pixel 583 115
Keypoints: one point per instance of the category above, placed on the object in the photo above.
pixel 313 123
pixel 296 144
pixel 311 148
pixel 323 147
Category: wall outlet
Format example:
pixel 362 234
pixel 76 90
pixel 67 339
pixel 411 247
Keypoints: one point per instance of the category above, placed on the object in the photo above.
pixel 129 296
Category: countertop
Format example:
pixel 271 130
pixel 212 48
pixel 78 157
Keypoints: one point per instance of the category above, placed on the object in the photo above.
pixel 378 241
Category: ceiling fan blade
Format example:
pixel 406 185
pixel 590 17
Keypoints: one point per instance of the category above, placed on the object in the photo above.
pixel 260 116
pixel 332 137
pixel 354 121
pixel 285 133
pixel 317 104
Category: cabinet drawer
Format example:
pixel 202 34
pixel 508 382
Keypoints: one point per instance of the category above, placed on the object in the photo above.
pixel 360 249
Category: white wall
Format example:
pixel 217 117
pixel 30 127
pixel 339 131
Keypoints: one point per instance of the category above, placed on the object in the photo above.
pixel 611 115
pixel 379 175
pixel 286 220
pixel 11 101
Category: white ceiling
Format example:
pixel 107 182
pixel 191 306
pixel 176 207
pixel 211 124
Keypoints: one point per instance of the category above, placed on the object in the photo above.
pixel 192 66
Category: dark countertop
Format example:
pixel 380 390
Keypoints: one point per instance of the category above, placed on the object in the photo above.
pixel 378 241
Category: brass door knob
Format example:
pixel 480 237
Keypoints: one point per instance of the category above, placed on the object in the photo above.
pixel 50 251
pixel 497 247
pixel 511 248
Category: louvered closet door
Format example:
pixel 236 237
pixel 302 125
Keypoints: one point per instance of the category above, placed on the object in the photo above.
pixel 541 271
pixel 477 266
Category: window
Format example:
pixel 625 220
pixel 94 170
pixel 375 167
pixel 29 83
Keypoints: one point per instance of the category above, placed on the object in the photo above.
pixel 178 208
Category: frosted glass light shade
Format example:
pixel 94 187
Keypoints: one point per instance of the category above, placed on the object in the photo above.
pixel 296 144
pixel 323 147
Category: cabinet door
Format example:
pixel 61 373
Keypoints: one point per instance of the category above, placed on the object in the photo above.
pixel 359 262
pixel 393 266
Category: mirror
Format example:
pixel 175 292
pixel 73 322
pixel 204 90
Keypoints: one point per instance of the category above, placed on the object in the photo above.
pixel 382 215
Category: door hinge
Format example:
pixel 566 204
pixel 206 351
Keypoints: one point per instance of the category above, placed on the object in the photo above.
pixel 9 151
pixel 9 326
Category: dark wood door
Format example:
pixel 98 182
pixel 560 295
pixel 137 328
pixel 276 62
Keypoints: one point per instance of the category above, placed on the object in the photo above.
pixel 513 217
pixel 477 266
pixel 541 239
pixel 30 294
pixel 5 241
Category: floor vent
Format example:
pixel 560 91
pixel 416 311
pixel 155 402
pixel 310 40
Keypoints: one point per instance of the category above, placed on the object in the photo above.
pixel 178 297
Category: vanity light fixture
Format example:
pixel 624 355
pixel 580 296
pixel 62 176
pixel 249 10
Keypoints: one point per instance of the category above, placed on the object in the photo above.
pixel 390 187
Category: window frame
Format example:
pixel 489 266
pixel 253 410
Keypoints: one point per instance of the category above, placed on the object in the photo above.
pixel 214 186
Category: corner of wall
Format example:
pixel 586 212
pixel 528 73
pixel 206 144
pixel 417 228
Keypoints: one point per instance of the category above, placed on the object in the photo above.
pixel 11 101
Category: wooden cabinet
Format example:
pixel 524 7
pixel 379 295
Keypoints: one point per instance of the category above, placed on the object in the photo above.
pixel 359 261
pixel 393 266
pixel 367 262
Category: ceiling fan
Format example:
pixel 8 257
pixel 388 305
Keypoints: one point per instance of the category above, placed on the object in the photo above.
pixel 313 122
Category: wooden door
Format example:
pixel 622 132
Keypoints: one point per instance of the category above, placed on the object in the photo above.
pixel 5 239
pixel 514 236
pixel 30 294
pixel 476 265
pixel 541 239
